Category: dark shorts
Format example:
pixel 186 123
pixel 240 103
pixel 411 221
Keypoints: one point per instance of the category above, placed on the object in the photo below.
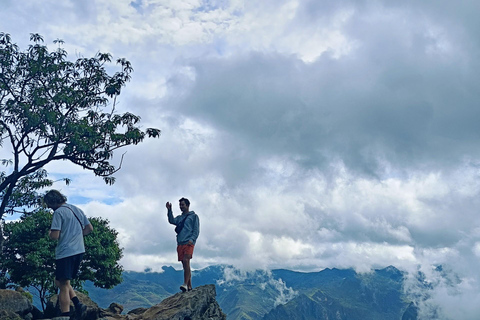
pixel 185 251
pixel 67 268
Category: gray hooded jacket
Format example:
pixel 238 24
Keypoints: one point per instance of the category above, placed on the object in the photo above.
pixel 191 228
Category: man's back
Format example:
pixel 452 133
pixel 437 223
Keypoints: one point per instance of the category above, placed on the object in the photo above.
pixel 71 221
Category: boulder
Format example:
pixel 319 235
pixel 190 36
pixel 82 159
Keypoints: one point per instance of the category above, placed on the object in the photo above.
pixel 93 310
pixel 9 315
pixel 13 302
pixel 137 311
pixel 112 312
pixel 115 308
pixel 198 304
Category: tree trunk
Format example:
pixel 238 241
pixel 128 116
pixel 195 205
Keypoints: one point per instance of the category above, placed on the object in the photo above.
pixel 1 236
pixel 3 282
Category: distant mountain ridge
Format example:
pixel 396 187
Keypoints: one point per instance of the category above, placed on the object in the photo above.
pixel 277 294
pixel 344 294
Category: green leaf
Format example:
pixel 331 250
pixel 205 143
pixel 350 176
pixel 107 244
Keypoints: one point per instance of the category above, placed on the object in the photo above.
pixel 29 255
pixel 53 109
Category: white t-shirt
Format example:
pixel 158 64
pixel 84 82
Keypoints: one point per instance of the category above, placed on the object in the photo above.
pixel 70 241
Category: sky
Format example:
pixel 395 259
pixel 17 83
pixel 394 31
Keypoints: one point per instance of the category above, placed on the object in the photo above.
pixel 307 134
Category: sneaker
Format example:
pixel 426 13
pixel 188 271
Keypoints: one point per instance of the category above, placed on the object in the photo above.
pixel 184 288
pixel 80 310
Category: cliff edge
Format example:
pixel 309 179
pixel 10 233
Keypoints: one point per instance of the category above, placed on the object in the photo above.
pixel 198 304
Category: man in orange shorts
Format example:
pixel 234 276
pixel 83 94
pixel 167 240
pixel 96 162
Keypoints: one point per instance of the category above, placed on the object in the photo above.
pixel 187 229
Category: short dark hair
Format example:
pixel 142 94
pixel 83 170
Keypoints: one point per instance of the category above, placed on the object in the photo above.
pixel 187 202
pixel 54 198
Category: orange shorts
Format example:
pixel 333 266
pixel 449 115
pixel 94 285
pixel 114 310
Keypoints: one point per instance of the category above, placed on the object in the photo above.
pixel 185 251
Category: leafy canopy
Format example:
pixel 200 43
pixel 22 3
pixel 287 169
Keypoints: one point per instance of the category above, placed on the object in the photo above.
pixel 54 109
pixel 29 255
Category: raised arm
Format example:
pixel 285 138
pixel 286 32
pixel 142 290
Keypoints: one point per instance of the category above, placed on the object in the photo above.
pixel 171 219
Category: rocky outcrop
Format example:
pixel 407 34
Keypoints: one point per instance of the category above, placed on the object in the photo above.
pixel 93 310
pixel 14 305
pixel 198 304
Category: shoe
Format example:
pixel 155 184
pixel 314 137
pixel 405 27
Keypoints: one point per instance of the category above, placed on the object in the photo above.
pixel 190 289
pixel 184 288
pixel 80 309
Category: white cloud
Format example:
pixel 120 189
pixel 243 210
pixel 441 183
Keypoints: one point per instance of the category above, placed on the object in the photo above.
pixel 285 293
pixel 307 134
pixel 476 249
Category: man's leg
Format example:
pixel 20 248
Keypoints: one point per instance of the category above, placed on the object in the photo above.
pixel 64 295
pixel 66 269
pixel 189 284
pixel 187 272
pixel 185 253
pixel 71 292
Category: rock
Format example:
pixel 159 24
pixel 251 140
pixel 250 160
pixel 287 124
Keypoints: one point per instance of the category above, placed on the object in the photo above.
pixel 198 304
pixel 36 313
pixel 13 302
pixel 93 310
pixel 112 312
pixel 137 311
pixel 115 308
pixel 9 315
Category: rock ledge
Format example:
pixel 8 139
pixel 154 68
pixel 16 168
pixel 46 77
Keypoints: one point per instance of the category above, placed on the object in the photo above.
pixel 198 304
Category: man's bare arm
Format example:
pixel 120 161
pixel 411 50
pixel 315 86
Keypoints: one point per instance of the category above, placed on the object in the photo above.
pixel 88 229
pixel 171 219
pixel 54 234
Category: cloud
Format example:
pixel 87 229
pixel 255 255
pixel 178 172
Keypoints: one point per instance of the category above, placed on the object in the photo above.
pixel 307 134
pixel 371 111
pixel 442 294
pixel 263 278
pixel 285 293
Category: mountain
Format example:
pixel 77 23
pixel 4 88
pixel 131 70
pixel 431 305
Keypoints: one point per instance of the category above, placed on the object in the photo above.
pixel 317 306
pixel 344 294
pixel 276 294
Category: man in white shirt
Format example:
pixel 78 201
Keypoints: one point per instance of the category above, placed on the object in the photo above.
pixel 69 225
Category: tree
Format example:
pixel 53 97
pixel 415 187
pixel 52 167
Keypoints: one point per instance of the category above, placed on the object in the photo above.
pixel 29 255
pixel 100 263
pixel 53 109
